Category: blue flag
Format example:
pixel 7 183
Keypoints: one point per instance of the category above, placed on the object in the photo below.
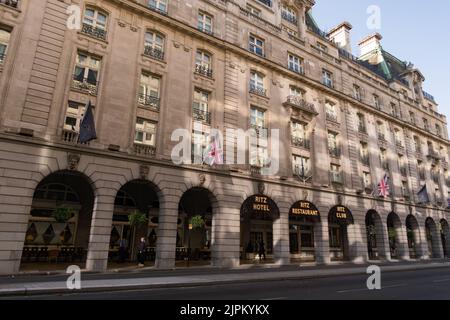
pixel 423 195
pixel 87 127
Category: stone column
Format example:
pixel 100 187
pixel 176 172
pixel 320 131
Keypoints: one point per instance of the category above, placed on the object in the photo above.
pixel 420 237
pixel 402 245
pixel 357 239
pixel 225 237
pixel 384 251
pixel 167 232
pixel 281 238
pixel 322 241
pixel 100 234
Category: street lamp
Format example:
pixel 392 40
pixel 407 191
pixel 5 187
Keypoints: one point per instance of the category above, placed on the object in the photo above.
pixel 189 245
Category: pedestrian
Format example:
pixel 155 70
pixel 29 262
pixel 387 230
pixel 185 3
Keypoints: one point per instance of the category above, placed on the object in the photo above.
pixel 141 250
pixel 262 250
pixel 123 244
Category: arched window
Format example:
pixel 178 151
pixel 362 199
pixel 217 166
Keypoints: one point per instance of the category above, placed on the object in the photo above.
pixel 94 23
pixel 56 192
pixel 154 45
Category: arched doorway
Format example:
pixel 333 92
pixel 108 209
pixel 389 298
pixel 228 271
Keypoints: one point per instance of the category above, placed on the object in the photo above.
pixel 374 229
pixel 339 218
pixel 258 214
pixel 136 211
pixel 412 232
pixel 394 229
pixel 194 231
pixel 445 237
pixel 303 216
pixel 60 221
pixel 432 236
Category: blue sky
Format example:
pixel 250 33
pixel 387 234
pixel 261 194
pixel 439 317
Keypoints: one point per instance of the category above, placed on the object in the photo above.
pixel 412 30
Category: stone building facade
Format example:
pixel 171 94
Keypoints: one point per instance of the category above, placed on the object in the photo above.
pixel 150 67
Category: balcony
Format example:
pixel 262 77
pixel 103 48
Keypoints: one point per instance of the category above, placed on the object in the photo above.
pixel 300 103
pixel 203 70
pixel 362 129
pixel 156 9
pixel 201 115
pixel 144 150
pixel 336 177
pixel 94 31
pixel 71 137
pixel 85 85
pixel 365 160
pixel 289 17
pixel 154 53
pixel 381 136
pixel 2 57
pixel 260 91
pixel 149 101
pixel 296 69
pixel 260 130
pixel 332 117
pixel 300 142
pixel 334 152
pixel 302 173
pixel 10 3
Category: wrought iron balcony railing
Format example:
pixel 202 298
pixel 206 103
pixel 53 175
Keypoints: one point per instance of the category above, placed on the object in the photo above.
pixel 302 172
pixel 300 142
pixel 85 85
pixel 334 152
pixel 365 160
pixel 155 8
pixel 289 17
pixel 94 32
pixel 10 3
pixel 336 177
pixel 203 70
pixel 258 90
pixel 381 136
pixel 301 103
pixel 296 69
pixel 332 117
pixel 362 129
pixel 200 115
pixel 149 101
pixel 144 150
pixel 2 57
pixel 205 30
pixel 154 52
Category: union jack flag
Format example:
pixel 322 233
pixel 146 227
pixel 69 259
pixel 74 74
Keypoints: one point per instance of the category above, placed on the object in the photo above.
pixel 383 187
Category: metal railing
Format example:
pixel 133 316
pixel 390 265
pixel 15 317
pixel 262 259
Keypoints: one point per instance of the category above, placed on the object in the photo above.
pixel 365 160
pixel 258 90
pixel 362 129
pixel 334 152
pixel 203 70
pixel 381 136
pixel 301 172
pixel 2 57
pixel 150 101
pixel 332 117
pixel 289 17
pixel 154 52
pixel 301 103
pixel 94 31
pixel 10 3
pixel 85 85
pixel 154 8
pixel 299 69
pixel 144 150
pixel 336 177
pixel 300 142
pixel 200 115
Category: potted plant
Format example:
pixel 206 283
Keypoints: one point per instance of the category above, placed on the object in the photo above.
pixel 197 222
pixel 137 219
pixel 62 214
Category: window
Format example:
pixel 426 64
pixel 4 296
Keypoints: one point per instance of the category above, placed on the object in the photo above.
pixel 298 134
pixel 289 14
pixel 335 172
pixel 295 92
pixel 200 106
pixel 301 166
pixel 421 170
pixel 295 63
pixel 425 124
pixel 438 130
pixel 257 117
pixel 364 153
pixel 398 135
pixel 149 90
pixel 402 165
pixel 367 180
pixel 158 5
pixel 381 130
pixel 333 144
pixel 257 83
pixel 412 116
pixel 256 45
pixel 384 159
pixel 376 101
pixel 74 115
pixel 405 191
pixel 205 23
pixel 394 110
pixel 254 11
pixel 361 123
pixel 357 92
pixel 321 47
pixel 94 23
pixel 154 45
pixel 327 78
pixel 330 110
pixel 4 42
pixel 417 144
pixel 87 68
pixel 203 63
pixel 199 145
pixel 145 132
pixel 266 2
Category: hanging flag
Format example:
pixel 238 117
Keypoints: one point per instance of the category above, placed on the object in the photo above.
pixel 423 195
pixel 214 153
pixel 383 187
pixel 87 126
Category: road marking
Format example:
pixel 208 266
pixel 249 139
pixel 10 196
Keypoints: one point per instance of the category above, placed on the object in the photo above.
pixel 442 280
pixel 279 298
pixel 365 289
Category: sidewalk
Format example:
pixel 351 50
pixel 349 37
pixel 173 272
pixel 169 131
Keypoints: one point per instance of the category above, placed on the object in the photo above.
pixel 148 279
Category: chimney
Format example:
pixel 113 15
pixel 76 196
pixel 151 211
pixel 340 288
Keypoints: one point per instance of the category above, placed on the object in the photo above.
pixel 370 43
pixel 341 36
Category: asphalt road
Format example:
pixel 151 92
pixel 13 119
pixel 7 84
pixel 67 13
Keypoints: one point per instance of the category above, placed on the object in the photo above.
pixel 416 285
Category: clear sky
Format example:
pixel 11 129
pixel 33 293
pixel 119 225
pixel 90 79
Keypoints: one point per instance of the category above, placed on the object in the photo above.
pixel 412 30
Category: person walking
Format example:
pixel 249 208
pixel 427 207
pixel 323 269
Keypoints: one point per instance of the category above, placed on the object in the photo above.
pixel 261 250
pixel 141 250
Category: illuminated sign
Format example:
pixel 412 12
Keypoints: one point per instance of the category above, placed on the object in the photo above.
pixel 304 208
pixel 341 214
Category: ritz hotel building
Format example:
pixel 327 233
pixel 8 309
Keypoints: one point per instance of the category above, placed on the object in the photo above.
pixel 152 66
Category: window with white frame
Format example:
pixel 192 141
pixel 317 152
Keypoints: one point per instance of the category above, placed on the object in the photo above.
pixel 5 36
pixel 295 91
pixel 200 105
pixel 203 63
pixel 159 5
pixel 332 142
pixel 295 63
pixel 301 166
pixel 398 134
pixel 149 89
pixel 331 112
pixel 256 45
pixel 367 180
pixel 361 123
pixel 205 22
pixel 298 134
pixel 145 132
pixel 335 171
pixel 259 155
pixel 357 92
pixel 364 153
pixel 376 101
pixel 154 44
pixel 87 68
pixel 289 14
pixel 327 78
pixel 381 130
pixel 95 18
pixel 74 116
pixel 254 11
pixel 417 144
pixel 257 82
pixel 257 117
pixel 199 145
